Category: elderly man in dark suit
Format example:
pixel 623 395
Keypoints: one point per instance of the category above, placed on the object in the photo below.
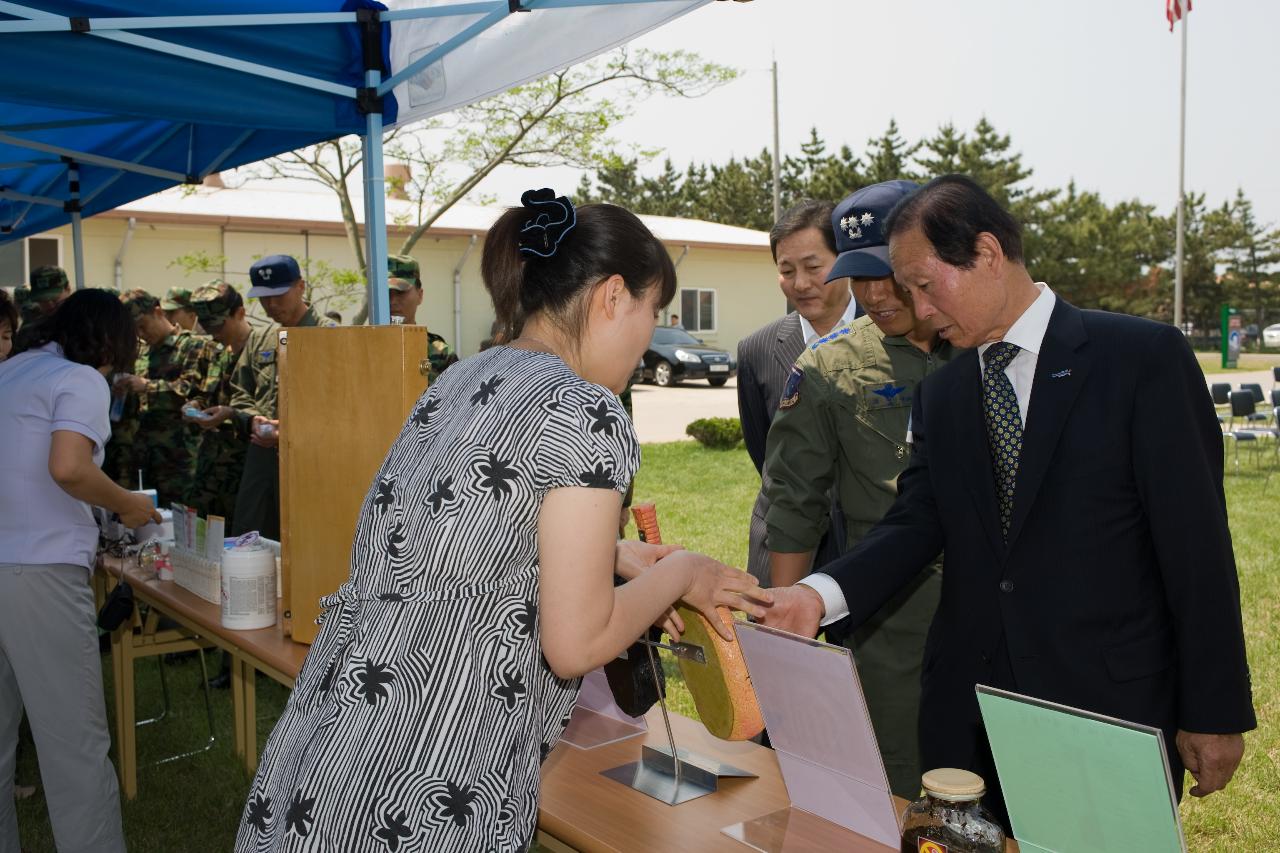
pixel 804 249
pixel 1088 559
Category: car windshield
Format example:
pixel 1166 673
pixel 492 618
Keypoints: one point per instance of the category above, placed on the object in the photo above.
pixel 673 335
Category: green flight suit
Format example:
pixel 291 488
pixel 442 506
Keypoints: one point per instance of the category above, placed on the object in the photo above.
pixel 843 421
pixel 253 392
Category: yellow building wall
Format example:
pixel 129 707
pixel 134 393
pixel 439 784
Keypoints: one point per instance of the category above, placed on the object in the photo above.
pixel 747 296
pixel 744 280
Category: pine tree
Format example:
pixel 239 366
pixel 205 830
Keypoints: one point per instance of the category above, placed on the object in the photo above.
pixel 889 157
pixel 662 196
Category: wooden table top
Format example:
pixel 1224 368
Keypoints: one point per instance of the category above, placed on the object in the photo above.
pixel 270 646
pixel 579 807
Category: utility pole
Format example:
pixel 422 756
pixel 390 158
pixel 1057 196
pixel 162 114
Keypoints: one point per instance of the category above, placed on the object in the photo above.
pixel 1182 167
pixel 777 162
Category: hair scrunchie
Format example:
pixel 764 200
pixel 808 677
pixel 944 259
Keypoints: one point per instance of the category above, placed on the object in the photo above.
pixel 551 218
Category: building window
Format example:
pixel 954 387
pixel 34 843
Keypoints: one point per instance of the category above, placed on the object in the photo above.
pixel 698 309
pixel 19 258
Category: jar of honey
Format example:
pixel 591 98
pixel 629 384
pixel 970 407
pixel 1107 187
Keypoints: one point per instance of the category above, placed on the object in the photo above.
pixel 949 818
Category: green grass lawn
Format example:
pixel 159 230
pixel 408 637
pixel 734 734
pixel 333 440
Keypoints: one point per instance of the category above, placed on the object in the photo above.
pixel 1211 362
pixel 704 502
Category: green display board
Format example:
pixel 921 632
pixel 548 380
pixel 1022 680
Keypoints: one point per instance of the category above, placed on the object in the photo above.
pixel 1076 781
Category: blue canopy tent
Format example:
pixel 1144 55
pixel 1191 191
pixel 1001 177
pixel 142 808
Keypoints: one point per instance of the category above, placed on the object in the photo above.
pixel 111 101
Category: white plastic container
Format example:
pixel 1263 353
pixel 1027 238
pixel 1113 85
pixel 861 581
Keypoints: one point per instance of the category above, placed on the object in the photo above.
pixel 248 588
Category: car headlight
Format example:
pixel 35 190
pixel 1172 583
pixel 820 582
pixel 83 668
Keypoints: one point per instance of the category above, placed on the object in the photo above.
pixel 689 357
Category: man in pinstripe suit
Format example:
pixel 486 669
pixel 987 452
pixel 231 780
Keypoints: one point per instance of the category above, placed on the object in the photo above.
pixel 804 249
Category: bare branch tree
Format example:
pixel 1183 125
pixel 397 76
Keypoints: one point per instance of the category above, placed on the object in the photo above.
pixel 562 119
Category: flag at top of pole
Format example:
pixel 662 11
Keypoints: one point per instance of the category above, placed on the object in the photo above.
pixel 1173 10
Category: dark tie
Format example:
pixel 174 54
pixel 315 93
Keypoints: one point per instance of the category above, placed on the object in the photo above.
pixel 1004 425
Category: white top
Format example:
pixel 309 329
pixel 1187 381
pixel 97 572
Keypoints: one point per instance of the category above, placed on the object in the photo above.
pixel 42 392
pixel 811 334
pixel 1027 332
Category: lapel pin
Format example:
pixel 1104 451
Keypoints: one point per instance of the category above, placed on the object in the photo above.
pixel 1060 374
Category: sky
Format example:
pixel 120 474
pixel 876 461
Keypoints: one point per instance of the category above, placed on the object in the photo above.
pixel 1088 90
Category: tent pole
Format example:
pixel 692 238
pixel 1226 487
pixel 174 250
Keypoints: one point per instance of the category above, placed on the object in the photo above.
pixel 77 233
pixel 375 214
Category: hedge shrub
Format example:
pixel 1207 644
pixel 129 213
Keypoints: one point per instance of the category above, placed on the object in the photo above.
pixel 718 433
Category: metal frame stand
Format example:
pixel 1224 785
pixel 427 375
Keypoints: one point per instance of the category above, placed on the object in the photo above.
pixel 164 641
pixel 671 775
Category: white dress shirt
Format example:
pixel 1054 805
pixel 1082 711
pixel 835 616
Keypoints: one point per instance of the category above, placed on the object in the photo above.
pixel 1027 333
pixel 811 334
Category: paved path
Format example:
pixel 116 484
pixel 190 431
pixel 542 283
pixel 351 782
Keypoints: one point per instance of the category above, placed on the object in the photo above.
pixel 663 413
pixel 1238 377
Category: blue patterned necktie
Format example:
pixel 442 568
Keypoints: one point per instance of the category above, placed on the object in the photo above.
pixel 1004 425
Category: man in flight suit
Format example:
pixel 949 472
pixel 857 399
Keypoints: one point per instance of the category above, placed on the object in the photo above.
pixel 843 420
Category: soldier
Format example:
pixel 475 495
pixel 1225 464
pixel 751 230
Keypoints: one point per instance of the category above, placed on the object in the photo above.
pixel 177 307
pixel 406 295
pixel 277 282
pixel 220 310
pixel 844 420
pixel 49 286
pixel 169 377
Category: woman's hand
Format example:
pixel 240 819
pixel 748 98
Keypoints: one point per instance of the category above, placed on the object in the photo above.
pixel 712 584
pixel 633 556
pixel 136 510
pixel 670 623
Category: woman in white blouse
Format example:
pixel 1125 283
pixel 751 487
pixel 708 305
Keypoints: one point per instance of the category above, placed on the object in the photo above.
pixel 54 425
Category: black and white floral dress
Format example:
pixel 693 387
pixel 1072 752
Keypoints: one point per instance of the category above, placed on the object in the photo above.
pixel 424 709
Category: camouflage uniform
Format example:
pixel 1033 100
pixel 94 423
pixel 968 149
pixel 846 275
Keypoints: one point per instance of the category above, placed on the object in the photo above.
pixel 174 370
pixel 253 392
pixel 120 461
pixel 403 274
pixel 843 420
pixel 220 459
pixel 47 284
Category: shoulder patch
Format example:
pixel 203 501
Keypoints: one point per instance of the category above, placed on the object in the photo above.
pixel 791 392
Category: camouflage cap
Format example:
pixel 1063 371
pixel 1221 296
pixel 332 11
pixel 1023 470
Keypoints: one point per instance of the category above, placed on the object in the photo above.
pixel 403 272
pixel 175 298
pixel 211 304
pixel 47 283
pixel 139 302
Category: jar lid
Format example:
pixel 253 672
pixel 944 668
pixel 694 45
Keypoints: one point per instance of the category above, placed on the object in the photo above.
pixel 948 783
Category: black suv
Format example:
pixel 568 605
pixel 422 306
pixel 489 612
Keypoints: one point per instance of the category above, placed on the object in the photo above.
pixel 674 354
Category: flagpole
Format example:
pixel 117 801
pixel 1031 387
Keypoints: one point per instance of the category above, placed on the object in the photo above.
pixel 1182 168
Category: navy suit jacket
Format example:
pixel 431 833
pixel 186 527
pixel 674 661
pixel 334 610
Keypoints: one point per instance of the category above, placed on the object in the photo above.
pixel 1117 589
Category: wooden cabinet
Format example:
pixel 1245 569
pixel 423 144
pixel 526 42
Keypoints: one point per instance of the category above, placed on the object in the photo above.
pixel 344 396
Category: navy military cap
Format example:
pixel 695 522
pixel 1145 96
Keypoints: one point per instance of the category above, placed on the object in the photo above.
pixel 273 275
pixel 858 222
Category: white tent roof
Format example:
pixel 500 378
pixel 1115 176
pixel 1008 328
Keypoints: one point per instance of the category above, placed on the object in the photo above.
pixel 293 201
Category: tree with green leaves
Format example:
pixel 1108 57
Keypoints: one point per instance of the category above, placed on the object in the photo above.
pixel 1102 256
pixel 889 158
pixel 1251 259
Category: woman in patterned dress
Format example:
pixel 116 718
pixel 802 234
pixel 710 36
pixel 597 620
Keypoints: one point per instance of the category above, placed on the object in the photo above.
pixel 481 584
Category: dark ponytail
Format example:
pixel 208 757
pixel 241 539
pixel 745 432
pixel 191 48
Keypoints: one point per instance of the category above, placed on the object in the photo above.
pixel 93 327
pixel 605 240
